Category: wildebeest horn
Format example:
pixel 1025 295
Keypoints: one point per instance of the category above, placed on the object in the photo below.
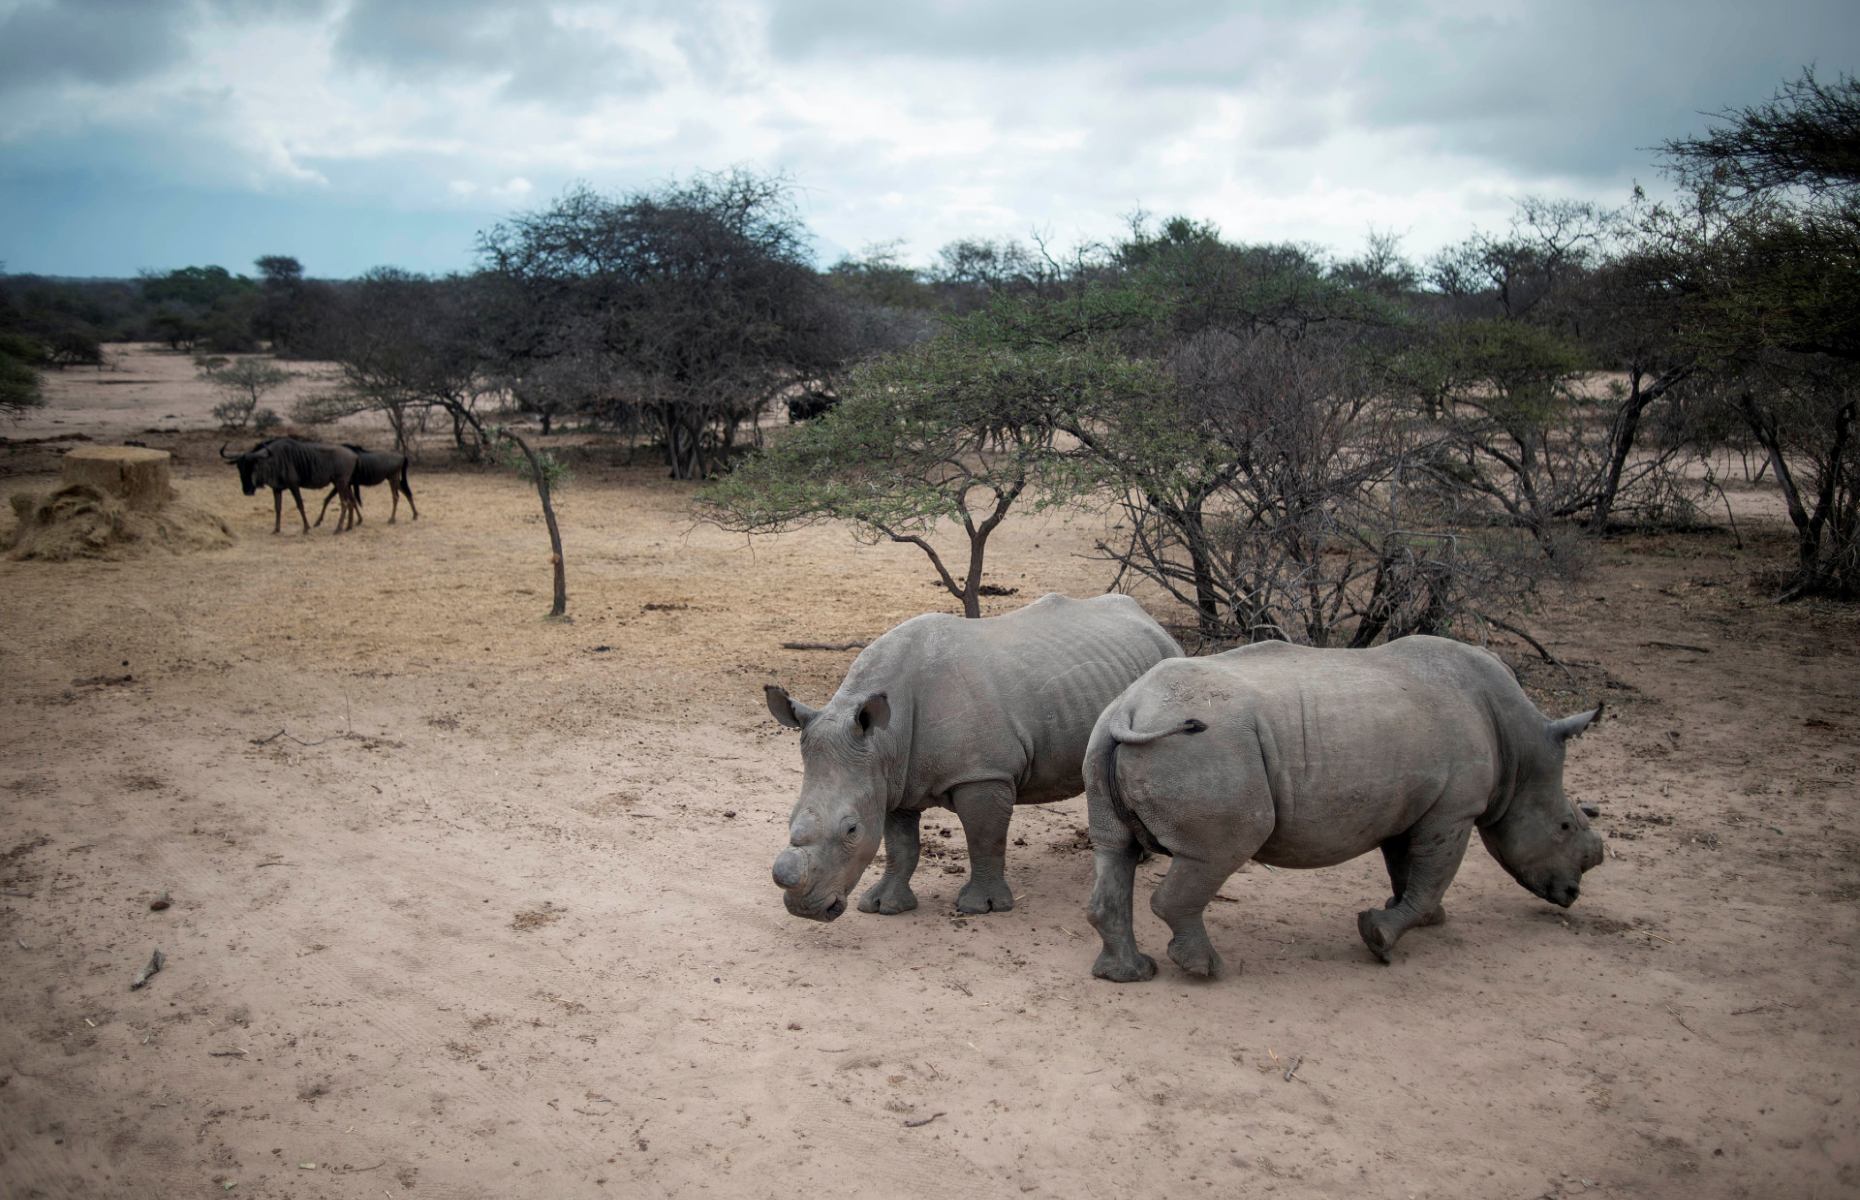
pixel 223 454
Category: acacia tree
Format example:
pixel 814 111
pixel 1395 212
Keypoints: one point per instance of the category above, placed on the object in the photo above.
pixel 697 299
pixel 958 431
pixel 408 344
pixel 1764 258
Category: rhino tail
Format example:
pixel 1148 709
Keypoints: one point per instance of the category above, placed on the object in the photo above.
pixel 1121 734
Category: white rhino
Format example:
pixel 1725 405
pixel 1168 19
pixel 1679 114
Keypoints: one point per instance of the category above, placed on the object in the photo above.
pixel 1298 757
pixel 971 715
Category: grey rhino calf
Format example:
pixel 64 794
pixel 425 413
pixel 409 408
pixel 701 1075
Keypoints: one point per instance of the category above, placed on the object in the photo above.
pixel 1307 758
pixel 972 715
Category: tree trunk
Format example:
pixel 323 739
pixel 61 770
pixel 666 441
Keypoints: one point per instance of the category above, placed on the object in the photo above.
pixel 560 605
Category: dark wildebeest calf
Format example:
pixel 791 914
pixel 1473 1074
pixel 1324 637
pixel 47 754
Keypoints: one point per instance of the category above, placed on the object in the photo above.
pixel 373 467
pixel 280 463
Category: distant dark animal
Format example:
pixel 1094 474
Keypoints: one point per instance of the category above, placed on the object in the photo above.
pixel 281 463
pixel 373 467
pixel 811 404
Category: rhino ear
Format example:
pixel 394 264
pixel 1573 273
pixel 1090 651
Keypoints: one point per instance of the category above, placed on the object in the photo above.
pixel 1570 727
pixel 787 709
pixel 875 713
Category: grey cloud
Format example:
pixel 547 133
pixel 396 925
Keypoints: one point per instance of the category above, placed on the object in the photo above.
pixel 93 41
pixel 538 57
pixel 983 29
pixel 1587 89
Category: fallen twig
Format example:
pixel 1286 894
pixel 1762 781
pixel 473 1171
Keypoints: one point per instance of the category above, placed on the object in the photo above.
pixel 276 862
pixel 227 1053
pixel 1678 646
pixel 1536 645
pixel 359 1170
pixel 155 963
pixel 823 645
pixel 1682 1022
pixel 283 734
pixel 1293 1069
pixel 103 681
pixel 16 895
pixel 921 1123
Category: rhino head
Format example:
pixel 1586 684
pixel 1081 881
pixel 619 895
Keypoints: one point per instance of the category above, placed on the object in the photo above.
pixel 1541 839
pixel 835 828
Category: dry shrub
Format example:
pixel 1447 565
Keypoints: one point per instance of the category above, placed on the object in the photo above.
pixel 80 521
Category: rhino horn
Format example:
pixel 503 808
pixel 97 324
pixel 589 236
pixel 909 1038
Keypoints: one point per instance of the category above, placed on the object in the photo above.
pixel 1573 726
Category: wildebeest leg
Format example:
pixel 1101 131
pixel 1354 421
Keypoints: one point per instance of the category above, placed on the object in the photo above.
pixel 408 492
pixel 1395 857
pixel 299 497
pixel 1114 855
pixel 1433 859
pixel 277 510
pixel 984 810
pixel 333 492
pixel 892 893
pixel 1181 899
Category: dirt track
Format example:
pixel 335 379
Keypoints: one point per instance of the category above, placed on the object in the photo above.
pixel 492 917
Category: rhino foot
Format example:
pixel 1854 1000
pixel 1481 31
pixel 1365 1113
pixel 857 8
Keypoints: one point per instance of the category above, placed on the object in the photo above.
pixel 888 898
pixel 1196 955
pixel 1434 916
pixel 979 896
pixel 1370 923
pixel 1124 970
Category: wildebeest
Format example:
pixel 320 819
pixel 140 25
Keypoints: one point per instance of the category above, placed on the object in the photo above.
pixel 280 463
pixel 373 467
pixel 811 404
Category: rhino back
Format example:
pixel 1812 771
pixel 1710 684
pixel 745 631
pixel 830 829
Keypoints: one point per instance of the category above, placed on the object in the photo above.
pixel 1348 747
pixel 1009 698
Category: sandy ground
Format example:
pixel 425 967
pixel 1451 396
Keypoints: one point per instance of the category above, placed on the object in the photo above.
pixel 466 903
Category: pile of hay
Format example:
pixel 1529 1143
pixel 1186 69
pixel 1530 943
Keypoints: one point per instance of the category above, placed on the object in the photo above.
pixel 79 520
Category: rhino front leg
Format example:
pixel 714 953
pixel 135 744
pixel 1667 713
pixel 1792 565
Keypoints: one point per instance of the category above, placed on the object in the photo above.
pixel 984 810
pixel 1395 857
pixel 1433 858
pixel 892 893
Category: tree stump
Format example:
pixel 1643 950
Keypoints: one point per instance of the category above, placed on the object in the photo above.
pixel 136 475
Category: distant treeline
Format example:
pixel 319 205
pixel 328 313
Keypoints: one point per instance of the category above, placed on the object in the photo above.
pixel 1258 408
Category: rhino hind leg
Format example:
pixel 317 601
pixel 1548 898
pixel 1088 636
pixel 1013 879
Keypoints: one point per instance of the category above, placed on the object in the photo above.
pixel 1181 900
pixel 892 893
pixel 1430 859
pixel 984 810
pixel 1115 854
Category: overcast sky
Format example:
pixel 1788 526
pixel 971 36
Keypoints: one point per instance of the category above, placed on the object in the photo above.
pixel 150 134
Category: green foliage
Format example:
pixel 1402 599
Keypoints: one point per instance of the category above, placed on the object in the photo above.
pixel 19 383
pixel 1514 374
pixel 506 454
pixel 244 382
pixel 956 430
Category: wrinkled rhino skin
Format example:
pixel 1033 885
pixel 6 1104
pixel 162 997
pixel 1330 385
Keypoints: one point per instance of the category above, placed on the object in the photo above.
pixel 1299 757
pixel 975 715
